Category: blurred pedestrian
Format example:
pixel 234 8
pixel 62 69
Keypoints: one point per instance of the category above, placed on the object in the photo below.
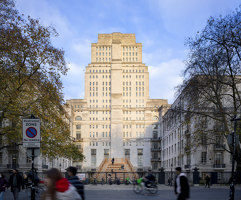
pixel 16 183
pixel 75 181
pixel 181 185
pixel 59 188
pixel 3 185
pixel 113 160
pixel 207 178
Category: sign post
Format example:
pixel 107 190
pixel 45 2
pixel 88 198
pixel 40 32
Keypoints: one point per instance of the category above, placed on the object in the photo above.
pixel 31 140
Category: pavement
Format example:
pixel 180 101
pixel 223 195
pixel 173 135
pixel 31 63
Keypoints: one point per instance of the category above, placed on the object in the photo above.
pixel 124 192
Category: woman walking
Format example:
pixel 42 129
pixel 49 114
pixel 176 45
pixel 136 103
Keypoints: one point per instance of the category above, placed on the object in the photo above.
pixel 59 188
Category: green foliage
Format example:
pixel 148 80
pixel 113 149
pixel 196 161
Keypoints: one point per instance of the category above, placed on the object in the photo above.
pixel 30 72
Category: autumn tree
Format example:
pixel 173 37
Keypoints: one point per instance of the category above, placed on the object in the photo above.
pixel 30 82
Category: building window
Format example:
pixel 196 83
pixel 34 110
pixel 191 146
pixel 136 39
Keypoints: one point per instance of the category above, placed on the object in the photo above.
pixel 78 126
pixel 140 157
pixel 78 135
pixel 127 153
pixel 78 118
pixel 204 157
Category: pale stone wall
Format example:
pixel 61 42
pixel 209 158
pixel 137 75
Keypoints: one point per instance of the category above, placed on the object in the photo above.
pixel 116 113
pixel 174 141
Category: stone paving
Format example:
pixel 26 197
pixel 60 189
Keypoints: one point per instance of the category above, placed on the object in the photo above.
pixel 119 192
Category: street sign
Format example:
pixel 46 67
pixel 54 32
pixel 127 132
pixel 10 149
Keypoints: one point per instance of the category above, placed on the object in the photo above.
pixel 36 152
pixel 31 133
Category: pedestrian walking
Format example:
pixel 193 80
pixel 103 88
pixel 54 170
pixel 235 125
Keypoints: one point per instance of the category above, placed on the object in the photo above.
pixel 113 160
pixel 16 183
pixel 74 180
pixel 181 185
pixel 59 188
pixel 169 181
pixel 207 178
pixel 3 185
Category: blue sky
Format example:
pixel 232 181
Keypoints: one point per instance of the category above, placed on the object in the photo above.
pixel 160 25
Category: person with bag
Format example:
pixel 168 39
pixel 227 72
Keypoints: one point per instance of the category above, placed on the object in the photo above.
pixel 3 185
pixel 59 188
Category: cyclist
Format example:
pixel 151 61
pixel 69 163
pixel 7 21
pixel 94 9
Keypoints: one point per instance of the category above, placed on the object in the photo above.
pixel 149 179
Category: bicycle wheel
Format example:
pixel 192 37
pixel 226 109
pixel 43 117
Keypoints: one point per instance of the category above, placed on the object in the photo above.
pixel 137 188
pixel 153 189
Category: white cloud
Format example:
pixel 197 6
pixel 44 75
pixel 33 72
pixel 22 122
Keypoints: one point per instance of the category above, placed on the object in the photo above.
pixel 164 78
pixel 83 49
pixel 47 13
pixel 74 82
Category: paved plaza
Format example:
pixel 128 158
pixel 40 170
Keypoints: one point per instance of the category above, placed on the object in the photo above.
pixel 119 192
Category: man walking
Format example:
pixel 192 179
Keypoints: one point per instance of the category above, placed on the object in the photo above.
pixel 74 180
pixel 16 182
pixel 113 160
pixel 207 178
pixel 181 185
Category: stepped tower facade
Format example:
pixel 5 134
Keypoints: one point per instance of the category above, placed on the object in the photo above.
pixel 116 118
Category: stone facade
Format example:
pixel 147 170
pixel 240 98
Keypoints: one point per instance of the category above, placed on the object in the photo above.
pixel 116 116
pixel 181 147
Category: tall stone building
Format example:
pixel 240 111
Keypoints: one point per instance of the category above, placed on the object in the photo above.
pixel 116 116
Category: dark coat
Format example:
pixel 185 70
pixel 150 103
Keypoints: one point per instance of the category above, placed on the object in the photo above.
pixel 185 191
pixel 74 180
pixel 3 184
pixel 19 182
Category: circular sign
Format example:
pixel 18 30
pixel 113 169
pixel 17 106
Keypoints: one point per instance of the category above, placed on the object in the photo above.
pixel 31 132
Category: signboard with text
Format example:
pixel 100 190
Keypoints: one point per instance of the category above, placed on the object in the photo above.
pixel 31 133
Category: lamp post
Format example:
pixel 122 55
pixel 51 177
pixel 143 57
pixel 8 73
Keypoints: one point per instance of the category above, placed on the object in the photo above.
pixel 171 174
pixel 232 188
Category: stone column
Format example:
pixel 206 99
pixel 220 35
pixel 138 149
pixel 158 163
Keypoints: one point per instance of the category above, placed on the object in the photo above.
pixel 116 98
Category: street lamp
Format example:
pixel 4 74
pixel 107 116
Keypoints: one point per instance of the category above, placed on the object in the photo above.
pixel 232 189
pixel 171 174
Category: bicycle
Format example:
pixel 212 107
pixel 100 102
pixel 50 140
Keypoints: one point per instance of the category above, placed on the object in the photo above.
pixel 139 187
pixel 39 189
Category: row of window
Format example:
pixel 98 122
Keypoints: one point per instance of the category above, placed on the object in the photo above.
pixel 96 76
pixel 126 54
pixel 129 76
pixel 132 144
pixel 103 94
pixel 103 54
pixel 174 148
pixel 103 83
pixel 103 59
pixel 126 70
pixel 103 88
pixel 97 143
pixel 96 119
pixel 96 126
pixel 137 83
pixel 99 71
pixel 172 162
pixel 103 112
pixel 130 59
pixel 109 70
pixel 126 48
pixel 104 134
pixel 102 48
